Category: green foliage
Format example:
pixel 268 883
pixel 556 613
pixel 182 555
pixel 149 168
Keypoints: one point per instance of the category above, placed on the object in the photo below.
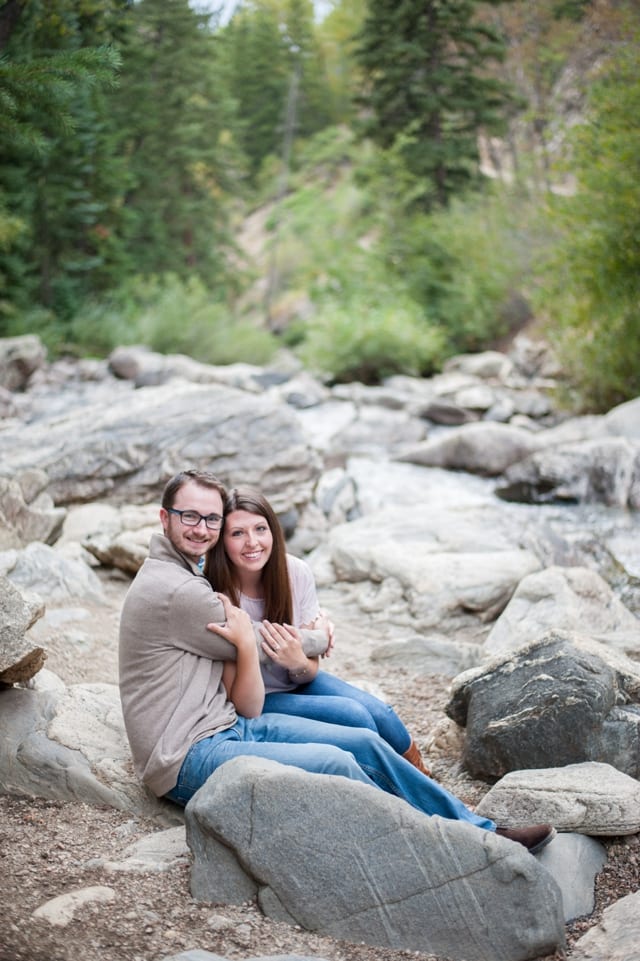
pixel 116 202
pixel 337 34
pixel 36 320
pixel 37 96
pixel 55 161
pixel 428 91
pixel 316 227
pixel 275 71
pixel 344 236
pixel 367 339
pixel 170 316
pixel 258 72
pixel 110 182
pixel 570 9
pixel 465 264
pixel 593 290
pixel 175 125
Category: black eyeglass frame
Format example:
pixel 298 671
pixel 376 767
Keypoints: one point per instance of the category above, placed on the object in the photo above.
pixel 213 522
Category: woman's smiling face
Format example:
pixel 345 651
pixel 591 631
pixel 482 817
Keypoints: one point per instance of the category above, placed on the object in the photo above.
pixel 248 541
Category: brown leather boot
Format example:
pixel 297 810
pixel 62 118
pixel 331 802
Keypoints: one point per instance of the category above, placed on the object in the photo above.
pixel 414 757
pixel 534 837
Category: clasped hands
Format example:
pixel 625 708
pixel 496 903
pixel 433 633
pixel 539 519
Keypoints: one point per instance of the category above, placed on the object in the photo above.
pixel 282 642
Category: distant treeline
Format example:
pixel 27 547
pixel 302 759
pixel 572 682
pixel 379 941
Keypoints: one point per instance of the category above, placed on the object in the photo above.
pixel 135 136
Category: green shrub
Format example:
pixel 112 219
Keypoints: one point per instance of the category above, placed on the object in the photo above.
pixel 600 355
pixel 592 288
pixel 367 342
pixel 170 315
pixel 465 264
pixel 39 321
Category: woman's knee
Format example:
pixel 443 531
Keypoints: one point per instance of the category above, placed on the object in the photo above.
pixel 350 713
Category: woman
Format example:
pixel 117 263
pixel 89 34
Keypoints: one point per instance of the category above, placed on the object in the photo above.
pixel 251 566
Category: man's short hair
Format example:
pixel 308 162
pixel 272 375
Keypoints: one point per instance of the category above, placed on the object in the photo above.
pixel 203 478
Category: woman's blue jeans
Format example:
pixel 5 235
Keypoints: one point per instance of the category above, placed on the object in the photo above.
pixel 328 698
pixel 320 748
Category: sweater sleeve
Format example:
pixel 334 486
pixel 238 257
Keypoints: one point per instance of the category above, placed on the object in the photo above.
pixel 305 605
pixel 303 589
pixel 194 605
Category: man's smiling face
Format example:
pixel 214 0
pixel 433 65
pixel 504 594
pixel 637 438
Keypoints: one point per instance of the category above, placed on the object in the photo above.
pixel 193 542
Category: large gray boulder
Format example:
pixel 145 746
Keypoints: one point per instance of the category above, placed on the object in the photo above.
pixel 571 598
pixel 20 659
pixel 139 439
pixel 19 358
pixel 616 936
pixel 575 861
pixel 147 368
pixel 560 700
pixel 453 566
pixel 624 420
pixel 349 861
pixel 69 744
pixel 118 537
pixel 481 448
pixel 27 511
pixel 603 470
pixel 55 575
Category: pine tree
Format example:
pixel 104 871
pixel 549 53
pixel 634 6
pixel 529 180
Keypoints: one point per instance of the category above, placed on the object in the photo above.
pixel 55 165
pixel 272 52
pixel 315 109
pixel 427 90
pixel 176 128
pixel 258 71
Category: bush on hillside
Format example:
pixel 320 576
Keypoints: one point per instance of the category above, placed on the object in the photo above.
pixel 366 342
pixel 592 293
pixel 171 316
pixel 464 265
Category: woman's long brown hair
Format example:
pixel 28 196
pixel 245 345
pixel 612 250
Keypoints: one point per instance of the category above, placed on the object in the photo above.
pixel 278 603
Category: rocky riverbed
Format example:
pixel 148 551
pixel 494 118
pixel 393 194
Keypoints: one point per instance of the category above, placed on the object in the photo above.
pixel 392 491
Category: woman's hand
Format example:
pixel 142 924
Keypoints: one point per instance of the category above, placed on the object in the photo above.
pixel 283 645
pixel 237 628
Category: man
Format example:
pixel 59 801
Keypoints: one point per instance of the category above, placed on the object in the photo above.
pixel 191 687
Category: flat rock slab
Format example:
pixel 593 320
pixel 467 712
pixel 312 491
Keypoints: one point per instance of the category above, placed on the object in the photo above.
pixel 589 798
pixel 61 911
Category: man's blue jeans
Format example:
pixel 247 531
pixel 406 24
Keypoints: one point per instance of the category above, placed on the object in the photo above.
pixel 329 698
pixel 320 748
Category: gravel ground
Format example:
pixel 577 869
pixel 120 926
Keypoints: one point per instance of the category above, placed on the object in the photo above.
pixel 48 848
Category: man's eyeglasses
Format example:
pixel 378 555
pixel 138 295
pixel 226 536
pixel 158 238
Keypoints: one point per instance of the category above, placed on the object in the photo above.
pixel 192 519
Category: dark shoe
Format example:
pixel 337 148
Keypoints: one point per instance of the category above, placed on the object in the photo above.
pixel 534 837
